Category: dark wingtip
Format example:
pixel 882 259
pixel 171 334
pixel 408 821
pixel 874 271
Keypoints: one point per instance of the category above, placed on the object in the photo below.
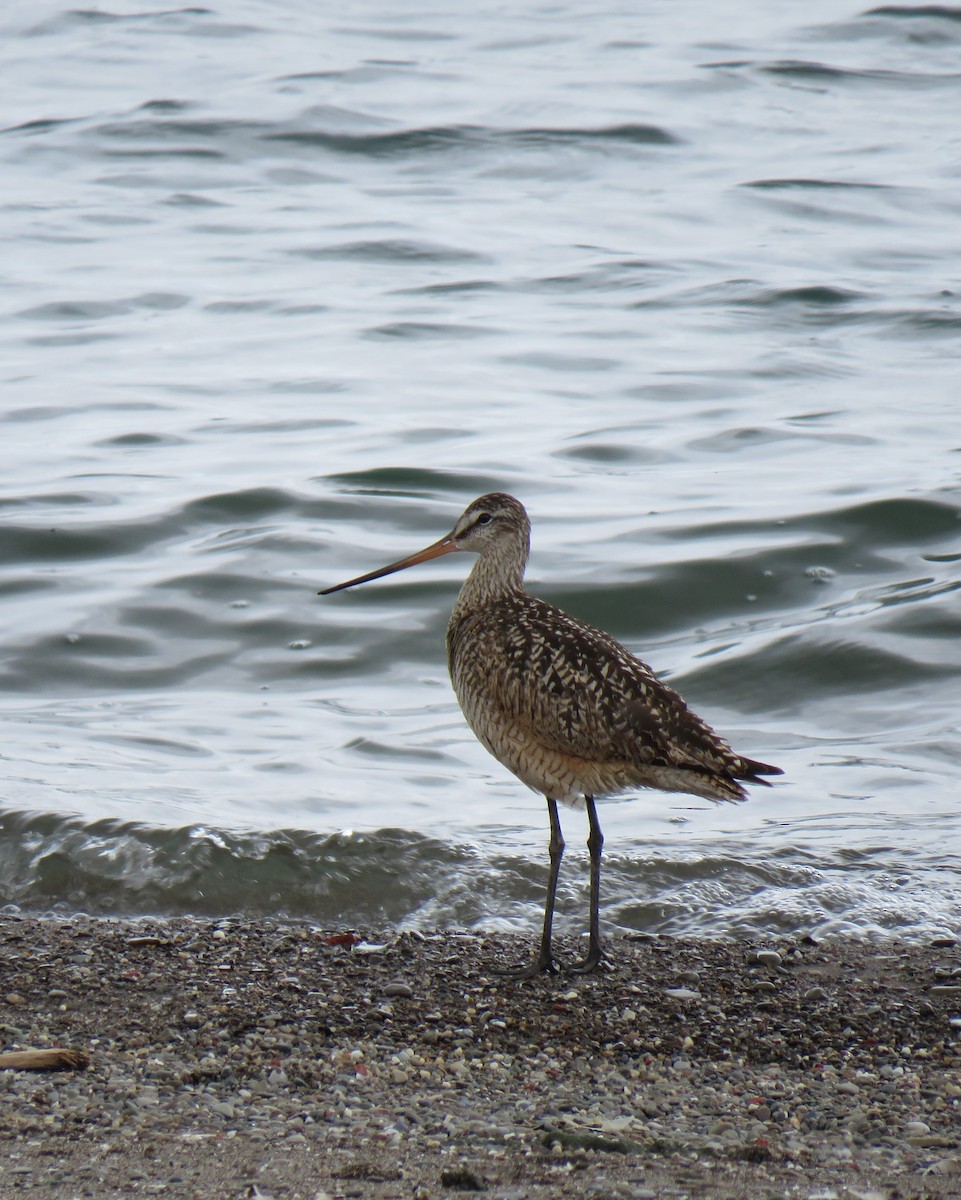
pixel 752 771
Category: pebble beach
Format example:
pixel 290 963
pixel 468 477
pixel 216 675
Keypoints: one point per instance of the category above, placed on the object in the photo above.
pixel 249 1059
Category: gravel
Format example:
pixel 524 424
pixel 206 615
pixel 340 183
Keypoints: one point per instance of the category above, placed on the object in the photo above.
pixel 238 1058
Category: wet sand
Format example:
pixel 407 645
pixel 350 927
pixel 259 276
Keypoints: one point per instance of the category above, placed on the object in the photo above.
pixel 255 1059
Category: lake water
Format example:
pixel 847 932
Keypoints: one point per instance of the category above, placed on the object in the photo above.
pixel 286 285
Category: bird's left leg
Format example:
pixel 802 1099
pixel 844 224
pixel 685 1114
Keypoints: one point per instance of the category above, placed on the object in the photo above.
pixel 595 843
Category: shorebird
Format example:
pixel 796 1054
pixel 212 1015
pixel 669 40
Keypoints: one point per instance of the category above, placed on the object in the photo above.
pixel 564 706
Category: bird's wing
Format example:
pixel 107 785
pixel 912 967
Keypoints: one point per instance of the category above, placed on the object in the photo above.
pixel 578 691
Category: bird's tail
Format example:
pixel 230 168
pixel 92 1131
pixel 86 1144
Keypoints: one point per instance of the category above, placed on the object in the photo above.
pixel 751 771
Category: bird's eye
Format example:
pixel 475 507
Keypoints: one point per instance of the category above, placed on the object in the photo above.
pixel 484 519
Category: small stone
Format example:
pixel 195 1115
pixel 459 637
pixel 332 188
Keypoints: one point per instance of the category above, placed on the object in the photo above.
pixel 569 1139
pixel 462 1178
pixel 398 988
pixel 815 993
pixel 945 1166
pixel 917 1128
pixel 682 994
pixel 767 958
pixel 14 999
pixel 370 947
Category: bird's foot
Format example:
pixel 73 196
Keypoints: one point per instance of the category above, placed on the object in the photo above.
pixel 541 965
pixel 590 962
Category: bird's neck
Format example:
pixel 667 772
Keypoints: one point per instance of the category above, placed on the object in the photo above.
pixel 498 572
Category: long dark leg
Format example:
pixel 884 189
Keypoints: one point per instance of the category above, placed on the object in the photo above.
pixel 595 844
pixel 544 960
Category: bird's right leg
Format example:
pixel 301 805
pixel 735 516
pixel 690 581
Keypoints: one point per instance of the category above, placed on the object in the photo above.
pixel 544 960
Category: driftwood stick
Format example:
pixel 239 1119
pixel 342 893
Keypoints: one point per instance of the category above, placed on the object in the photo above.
pixel 43 1060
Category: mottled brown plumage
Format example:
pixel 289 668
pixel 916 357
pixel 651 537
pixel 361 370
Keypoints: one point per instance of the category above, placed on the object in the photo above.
pixel 561 704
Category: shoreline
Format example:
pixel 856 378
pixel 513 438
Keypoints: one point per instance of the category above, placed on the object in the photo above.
pixel 261 1058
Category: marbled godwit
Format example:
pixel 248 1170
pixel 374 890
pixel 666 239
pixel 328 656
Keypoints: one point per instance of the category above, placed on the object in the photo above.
pixel 561 704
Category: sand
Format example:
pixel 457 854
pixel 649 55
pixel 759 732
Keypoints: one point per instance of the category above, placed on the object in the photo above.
pixel 253 1059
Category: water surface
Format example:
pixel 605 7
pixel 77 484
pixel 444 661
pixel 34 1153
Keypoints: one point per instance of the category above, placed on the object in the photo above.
pixel 286 289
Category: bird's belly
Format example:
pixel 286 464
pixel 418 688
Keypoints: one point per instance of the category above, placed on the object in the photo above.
pixel 543 770
pixel 551 772
pixel 568 777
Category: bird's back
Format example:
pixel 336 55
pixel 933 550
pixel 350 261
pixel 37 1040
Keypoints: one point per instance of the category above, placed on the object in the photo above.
pixel 571 712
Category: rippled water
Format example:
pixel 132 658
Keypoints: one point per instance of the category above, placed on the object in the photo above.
pixel 284 290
